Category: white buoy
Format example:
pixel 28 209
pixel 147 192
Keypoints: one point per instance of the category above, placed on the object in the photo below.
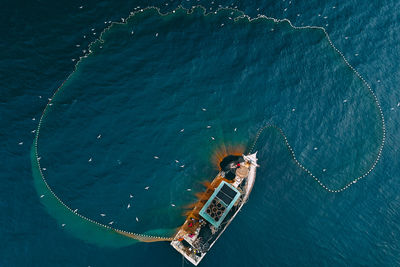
pixel 173 205
pixel 44 169
pixel 235 129
pixel 203 109
pixel 156 157
pixel 102 215
pixel 212 138
pixel 208 126
pixel 157 34
pixel 188 189
pixel 20 143
pixel 315 148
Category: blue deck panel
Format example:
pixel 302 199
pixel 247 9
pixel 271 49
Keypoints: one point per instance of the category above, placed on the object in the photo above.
pixel 228 207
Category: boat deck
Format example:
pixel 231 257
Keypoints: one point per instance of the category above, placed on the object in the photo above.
pixel 199 232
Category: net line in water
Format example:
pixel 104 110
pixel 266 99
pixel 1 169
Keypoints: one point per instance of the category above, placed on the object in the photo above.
pixel 300 165
pixel 281 132
pixel 154 238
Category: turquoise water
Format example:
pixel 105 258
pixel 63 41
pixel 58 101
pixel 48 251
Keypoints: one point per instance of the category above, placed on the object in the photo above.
pixel 155 99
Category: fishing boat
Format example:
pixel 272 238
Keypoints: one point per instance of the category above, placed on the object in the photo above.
pixel 217 207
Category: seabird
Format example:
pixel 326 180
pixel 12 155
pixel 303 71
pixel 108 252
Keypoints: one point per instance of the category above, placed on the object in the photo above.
pixel 156 34
pixel 62 225
pixel 41 196
pixel 315 148
pixel 208 126
pixel 33 119
pixel 130 196
pixel 188 189
pixel 177 161
pixel 212 138
pixel 137 219
pixel 156 157
pixel 203 109
pixel 99 136
pixel 173 205
pixel 129 205
pixel 182 166
pixel 182 130
pixel 44 169
pixel 235 129
pixel 20 143
pixel 102 215
pixel 76 210
pixel 111 222
pixel 80 7
pixel 147 187
pixel 90 160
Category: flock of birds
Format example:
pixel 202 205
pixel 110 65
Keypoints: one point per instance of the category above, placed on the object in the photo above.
pixel 85 51
pixel 99 136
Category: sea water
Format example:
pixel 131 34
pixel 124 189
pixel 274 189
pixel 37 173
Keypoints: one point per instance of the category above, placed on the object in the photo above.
pixel 130 125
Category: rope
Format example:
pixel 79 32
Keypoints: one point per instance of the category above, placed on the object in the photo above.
pixel 150 238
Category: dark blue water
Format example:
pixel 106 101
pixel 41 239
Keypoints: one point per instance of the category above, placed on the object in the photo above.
pixel 129 100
